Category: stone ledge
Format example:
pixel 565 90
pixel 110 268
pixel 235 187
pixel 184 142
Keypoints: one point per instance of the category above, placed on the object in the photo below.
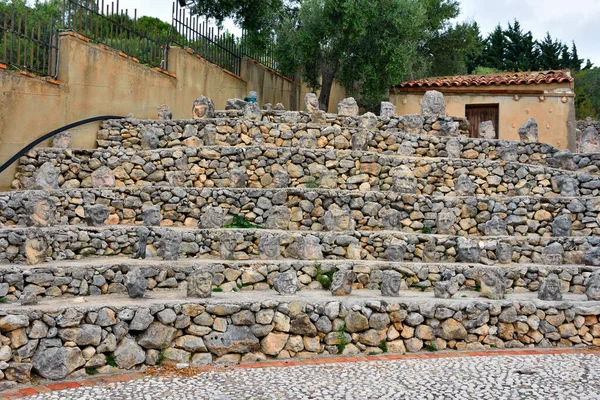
pixel 80 242
pixel 105 276
pixel 311 209
pixel 56 340
pixel 258 167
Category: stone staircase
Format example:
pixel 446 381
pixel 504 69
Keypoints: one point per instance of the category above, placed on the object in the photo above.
pixel 250 197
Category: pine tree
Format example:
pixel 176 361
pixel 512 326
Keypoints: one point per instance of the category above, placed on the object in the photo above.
pixel 521 50
pixel 494 54
pixel 550 53
pixel 576 62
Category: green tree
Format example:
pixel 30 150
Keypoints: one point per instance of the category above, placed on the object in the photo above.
pixel 455 50
pixel 368 45
pixel 550 52
pixel 587 93
pixel 521 50
pixel 494 52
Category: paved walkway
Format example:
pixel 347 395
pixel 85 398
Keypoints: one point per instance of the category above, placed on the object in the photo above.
pixel 555 375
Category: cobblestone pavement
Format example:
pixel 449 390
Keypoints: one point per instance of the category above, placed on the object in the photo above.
pixel 556 377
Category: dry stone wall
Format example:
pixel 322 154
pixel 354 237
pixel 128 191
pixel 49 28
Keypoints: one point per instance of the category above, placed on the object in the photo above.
pixel 77 242
pixel 297 167
pixel 58 343
pixel 314 210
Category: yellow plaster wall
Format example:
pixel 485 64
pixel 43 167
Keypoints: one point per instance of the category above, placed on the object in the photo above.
pixel 554 113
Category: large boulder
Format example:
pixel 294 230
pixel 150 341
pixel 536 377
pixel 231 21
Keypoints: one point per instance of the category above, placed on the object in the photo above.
pixel 529 132
pixel 237 339
pixel 129 354
pixel 57 362
pixel 157 336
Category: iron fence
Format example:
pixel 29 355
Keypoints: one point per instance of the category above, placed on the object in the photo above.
pixel 218 47
pixel 108 24
pixel 28 44
pixel 32 44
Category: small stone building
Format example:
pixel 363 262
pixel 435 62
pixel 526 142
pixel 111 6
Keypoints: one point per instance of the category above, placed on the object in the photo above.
pixel 508 100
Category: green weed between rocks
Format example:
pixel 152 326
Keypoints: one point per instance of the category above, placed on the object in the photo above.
pixel 325 278
pixel 383 346
pixel 240 222
pixel 91 371
pixel 430 347
pixel 111 360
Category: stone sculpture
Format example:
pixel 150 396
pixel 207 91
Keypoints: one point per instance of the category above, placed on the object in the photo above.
pixel 449 128
pixel 203 108
pixel 403 180
pixel 103 177
pixel 270 247
pixel 164 112
pixel 550 289
pixel 553 254
pixel 309 248
pixel 388 110
pixel 62 140
pixel 286 283
pixel 96 215
pixel 467 250
pixel 446 288
pixel 150 140
pixel 278 217
pixel 413 124
pixel 29 298
pixel 433 105
pixel 140 248
pixel 268 107
pixel 46 177
pixel 348 108
pixel 509 152
pixel 279 107
pixel 307 141
pixel 311 102
pixel 464 186
pixel 504 253
pixel 566 186
pixel 406 149
pixel 252 112
pixel 229 242
pixel 592 256
pixel 592 289
pixel 281 179
pixel 491 281
pixel 318 117
pixel 396 251
pixel 200 284
pixel 429 251
pixel 238 178
pixel 170 242
pixel 258 139
pixel 367 121
pixel 391 218
pixel 235 104
pixel 390 284
pixel 360 141
pixel 528 133
pixel 564 160
pixel 213 218
pixel 209 135
pixel 41 210
pixel 151 216
pixel 590 141
pixel 453 148
pixel 486 130
pixel 176 178
pixel 136 283
pixel 445 222
pixel 341 284
pixel 562 226
pixel 495 227
pixel 336 219
pixel 36 247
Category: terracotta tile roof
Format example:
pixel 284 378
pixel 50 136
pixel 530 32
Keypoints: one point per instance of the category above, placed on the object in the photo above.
pixel 506 78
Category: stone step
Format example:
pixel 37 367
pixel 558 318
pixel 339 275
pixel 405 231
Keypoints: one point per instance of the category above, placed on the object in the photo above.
pixel 294 167
pixel 148 134
pixel 55 338
pixel 303 209
pixel 22 245
pixel 105 275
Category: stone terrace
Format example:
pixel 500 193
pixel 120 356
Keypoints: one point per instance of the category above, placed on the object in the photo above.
pixel 250 197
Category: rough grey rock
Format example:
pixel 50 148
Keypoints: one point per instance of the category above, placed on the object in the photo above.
pixel 213 218
pixel 56 362
pixel 592 289
pixel 562 226
pixel 96 215
pixel 136 283
pixel 62 140
pixel 528 133
pixel 235 104
pixel 486 130
pixel 237 339
pixel 164 112
pixel 103 177
pixel 492 283
pixel 129 354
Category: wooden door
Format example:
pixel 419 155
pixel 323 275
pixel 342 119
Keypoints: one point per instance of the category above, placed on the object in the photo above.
pixel 477 113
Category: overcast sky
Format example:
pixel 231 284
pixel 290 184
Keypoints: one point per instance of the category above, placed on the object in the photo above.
pixel 577 20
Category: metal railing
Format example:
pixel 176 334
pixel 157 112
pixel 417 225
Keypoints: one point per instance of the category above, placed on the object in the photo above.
pixel 28 44
pixel 217 47
pixel 112 26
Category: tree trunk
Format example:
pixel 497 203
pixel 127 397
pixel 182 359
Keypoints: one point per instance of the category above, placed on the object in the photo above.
pixel 327 75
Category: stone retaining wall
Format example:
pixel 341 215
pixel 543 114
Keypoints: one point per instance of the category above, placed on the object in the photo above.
pixel 133 133
pixel 78 242
pixel 271 167
pixel 55 344
pixel 313 209
pixel 83 280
